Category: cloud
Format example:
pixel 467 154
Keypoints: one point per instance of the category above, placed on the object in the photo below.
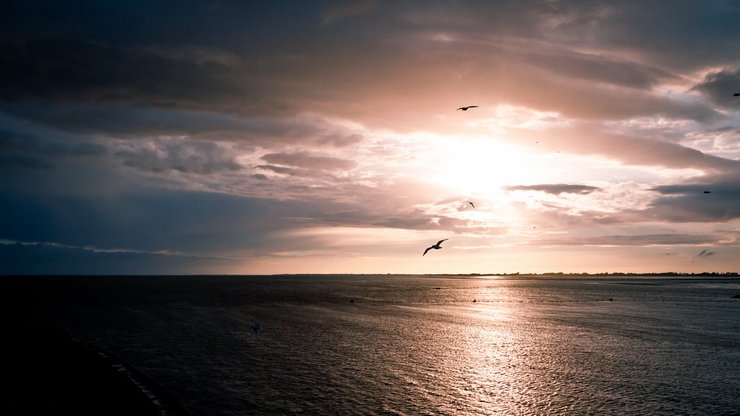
pixel 199 55
pixel 720 86
pixel 635 150
pixel 308 161
pixel 221 128
pixel 281 170
pixel 145 219
pixel 596 68
pixel 134 122
pixel 661 31
pixel 633 240
pixel 340 140
pixel 119 120
pixel 24 150
pixel 245 69
pixel 12 141
pixel 187 156
pixel 95 70
pixel 687 202
pixel 555 189
pixel 337 10
pixel 52 258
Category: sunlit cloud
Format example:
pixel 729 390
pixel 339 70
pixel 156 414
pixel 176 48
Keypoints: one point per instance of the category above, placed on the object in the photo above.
pixel 325 137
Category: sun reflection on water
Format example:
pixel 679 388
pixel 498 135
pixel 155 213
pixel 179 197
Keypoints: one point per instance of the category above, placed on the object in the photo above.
pixel 478 359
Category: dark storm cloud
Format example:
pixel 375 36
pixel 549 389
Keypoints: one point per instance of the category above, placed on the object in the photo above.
pixel 688 203
pixel 308 161
pixel 555 189
pixel 720 87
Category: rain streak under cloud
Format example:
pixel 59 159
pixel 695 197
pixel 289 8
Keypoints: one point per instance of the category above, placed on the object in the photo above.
pixel 323 137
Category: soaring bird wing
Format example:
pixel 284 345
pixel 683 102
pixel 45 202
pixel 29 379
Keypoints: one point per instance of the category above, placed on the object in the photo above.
pixel 472 106
pixel 471 204
pixel 425 251
pixel 440 241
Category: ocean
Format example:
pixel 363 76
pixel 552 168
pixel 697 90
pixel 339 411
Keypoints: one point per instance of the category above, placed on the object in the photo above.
pixel 411 345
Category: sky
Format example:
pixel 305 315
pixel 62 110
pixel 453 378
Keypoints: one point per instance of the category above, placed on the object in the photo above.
pixel 218 137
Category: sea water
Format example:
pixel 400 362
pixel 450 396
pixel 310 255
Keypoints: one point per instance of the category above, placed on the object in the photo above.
pixel 410 345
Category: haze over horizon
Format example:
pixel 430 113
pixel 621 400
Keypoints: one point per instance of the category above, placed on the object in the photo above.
pixel 323 137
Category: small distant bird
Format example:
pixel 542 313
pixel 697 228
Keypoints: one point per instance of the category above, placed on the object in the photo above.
pixel 471 204
pixel 707 192
pixel 256 327
pixel 737 94
pixel 436 246
pixel 467 107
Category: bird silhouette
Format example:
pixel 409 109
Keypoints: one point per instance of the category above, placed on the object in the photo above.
pixel 737 94
pixel 707 192
pixel 435 246
pixel 471 204
pixel 467 107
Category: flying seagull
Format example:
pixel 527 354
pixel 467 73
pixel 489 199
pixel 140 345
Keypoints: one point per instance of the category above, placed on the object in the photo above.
pixel 436 246
pixel 707 192
pixel 467 107
pixel 471 204
pixel 737 94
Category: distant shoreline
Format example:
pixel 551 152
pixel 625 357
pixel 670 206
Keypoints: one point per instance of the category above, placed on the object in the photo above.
pixel 548 275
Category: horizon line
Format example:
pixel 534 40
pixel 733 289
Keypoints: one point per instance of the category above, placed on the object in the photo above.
pixel 512 274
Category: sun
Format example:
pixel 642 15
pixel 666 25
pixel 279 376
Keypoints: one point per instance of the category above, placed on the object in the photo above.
pixel 476 166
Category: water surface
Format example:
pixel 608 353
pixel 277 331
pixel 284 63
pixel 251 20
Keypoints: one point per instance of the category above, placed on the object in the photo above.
pixel 414 344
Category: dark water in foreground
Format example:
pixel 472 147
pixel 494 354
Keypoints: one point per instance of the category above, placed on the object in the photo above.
pixel 412 345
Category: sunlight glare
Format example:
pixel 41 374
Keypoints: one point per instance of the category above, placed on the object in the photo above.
pixel 481 166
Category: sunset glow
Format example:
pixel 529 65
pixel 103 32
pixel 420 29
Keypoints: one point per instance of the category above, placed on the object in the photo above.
pixel 323 137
